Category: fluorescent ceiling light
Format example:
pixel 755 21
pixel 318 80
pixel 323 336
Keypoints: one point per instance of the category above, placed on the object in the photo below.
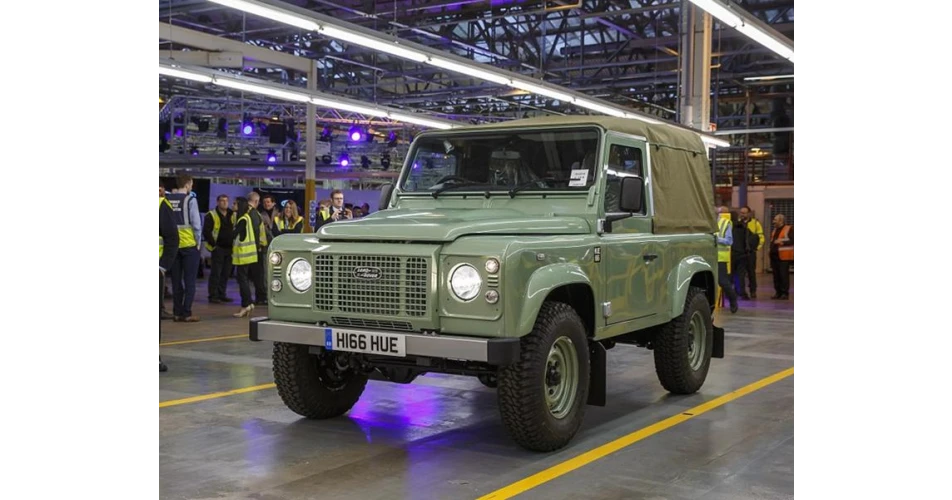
pixel 187 75
pixel 469 70
pixel 717 10
pixel 536 89
pixel 353 108
pixel 728 17
pixel 759 78
pixel 370 43
pixel 643 118
pixel 272 13
pixel 712 142
pixel 260 89
pixel 302 97
pixel 594 106
pixel 755 34
pixel 420 121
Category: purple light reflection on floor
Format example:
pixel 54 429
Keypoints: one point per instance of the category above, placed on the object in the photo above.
pixel 411 417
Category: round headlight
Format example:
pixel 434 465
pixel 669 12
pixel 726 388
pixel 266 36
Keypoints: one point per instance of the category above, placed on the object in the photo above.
pixel 492 266
pixel 492 296
pixel 275 258
pixel 299 275
pixel 276 285
pixel 465 282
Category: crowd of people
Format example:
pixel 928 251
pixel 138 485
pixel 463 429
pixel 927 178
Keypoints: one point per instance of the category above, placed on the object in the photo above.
pixel 235 236
pixel 740 237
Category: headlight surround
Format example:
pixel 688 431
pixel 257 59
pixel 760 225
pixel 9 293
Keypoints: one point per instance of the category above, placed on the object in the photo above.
pixel 465 282
pixel 299 275
pixel 276 258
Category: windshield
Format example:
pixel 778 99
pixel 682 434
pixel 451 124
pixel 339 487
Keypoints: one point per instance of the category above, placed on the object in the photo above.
pixel 513 161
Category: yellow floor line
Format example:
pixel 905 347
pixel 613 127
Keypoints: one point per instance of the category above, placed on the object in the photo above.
pixel 609 448
pixel 227 337
pixel 195 399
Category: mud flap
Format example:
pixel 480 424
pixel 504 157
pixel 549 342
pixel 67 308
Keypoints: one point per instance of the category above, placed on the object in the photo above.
pixel 598 367
pixel 718 349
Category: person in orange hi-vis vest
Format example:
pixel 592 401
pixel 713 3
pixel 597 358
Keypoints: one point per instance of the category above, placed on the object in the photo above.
pixel 781 255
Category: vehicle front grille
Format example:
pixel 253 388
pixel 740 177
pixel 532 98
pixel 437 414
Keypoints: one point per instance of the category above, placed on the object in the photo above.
pixel 372 323
pixel 381 285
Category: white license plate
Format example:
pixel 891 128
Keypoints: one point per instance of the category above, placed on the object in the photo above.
pixel 385 344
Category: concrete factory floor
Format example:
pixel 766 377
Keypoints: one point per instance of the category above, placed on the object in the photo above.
pixel 441 437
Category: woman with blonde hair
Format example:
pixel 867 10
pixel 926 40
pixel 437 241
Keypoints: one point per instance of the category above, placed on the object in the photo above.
pixel 289 221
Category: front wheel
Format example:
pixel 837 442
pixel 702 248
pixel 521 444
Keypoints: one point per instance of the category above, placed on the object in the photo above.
pixel 316 386
pixel 542 396
pixel 683 346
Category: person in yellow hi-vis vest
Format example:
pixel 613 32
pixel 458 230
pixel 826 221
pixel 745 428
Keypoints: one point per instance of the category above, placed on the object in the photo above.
pixel 747 217
pixel 244 255
pixel 725 238
pixel 218 235
pixel 261 232
pixel 289 221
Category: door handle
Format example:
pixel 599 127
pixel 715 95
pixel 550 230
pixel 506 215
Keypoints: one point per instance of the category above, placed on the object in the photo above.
pixel 650 257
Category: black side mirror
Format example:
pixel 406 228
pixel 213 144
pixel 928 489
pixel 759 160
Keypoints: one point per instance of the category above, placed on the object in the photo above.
pixel 385 193
pixel 632 194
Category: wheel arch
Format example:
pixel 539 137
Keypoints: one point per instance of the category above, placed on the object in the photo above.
pixel 692 271
pixel 564 282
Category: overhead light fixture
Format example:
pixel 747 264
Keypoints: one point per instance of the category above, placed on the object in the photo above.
pixel 712 142
pixel 537 89
pixel 273 13
pixel 344 160
pixel 187 75
pixel 730 18
pixel 267 88
pixel 419 121
pixel 763 78
pixel 594 106
pixel 272 156
pixel 469 70
pixel 378 45
pixel 259 89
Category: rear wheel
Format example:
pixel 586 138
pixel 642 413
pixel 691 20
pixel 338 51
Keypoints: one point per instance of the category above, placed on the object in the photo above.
pixel 682 347
pixel 316 386
pixel 542 396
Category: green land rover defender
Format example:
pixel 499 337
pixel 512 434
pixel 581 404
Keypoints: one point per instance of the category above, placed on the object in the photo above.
pixel 517 253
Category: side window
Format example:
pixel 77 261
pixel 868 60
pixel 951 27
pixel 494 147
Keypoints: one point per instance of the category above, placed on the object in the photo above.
pixel 623 161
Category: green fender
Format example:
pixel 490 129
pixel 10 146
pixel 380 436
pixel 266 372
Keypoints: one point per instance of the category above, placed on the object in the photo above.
pixel 541 283
pixel 679 280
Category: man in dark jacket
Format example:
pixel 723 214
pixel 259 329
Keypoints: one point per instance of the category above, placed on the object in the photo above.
pixel 218 232
pixel 743 248
pixel 168 248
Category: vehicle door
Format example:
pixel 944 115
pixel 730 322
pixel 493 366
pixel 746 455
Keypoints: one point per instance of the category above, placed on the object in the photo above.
pixel 626 259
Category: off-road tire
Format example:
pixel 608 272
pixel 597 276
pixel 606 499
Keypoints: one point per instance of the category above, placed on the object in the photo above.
pixel 672 345
pixel 522 385
pixel 307 389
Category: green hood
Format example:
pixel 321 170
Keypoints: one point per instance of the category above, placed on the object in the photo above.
pixel 447 225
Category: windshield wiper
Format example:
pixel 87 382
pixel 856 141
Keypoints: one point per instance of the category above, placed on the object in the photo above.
pixel 458 186
pixel 529 184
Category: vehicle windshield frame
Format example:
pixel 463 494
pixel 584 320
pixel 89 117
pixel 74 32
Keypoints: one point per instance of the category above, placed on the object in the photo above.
pixel 408 167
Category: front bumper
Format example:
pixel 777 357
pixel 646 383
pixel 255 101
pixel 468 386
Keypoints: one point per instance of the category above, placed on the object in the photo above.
pixel 492 351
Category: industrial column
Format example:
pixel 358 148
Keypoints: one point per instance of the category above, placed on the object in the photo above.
pixel 695 92
pixel 311 151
